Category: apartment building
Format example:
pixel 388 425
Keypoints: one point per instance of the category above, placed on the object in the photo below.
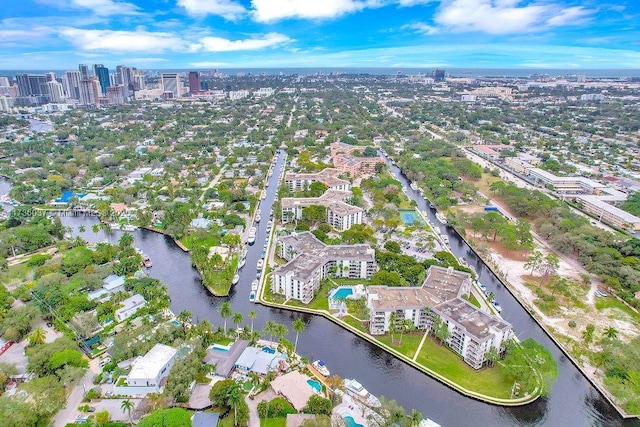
pixel 340 215
pixel 328 176
pixel 310 261
pixel 472 331
pixel 346 161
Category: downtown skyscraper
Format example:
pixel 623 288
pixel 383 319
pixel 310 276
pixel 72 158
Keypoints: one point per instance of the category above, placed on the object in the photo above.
pixel 102 73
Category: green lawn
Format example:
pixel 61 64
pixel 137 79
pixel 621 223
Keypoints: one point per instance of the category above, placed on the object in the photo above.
pixel 219 281
pixel 341 281
pixel 191 240
pixel 409 343
pixel 273 422
pixel 613 303
pixel 473 300
pixel 355 323
pixel 493 382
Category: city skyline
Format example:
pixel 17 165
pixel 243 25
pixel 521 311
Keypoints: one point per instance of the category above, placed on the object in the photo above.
pixel 39 34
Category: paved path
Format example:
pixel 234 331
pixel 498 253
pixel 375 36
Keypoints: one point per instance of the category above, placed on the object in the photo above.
pixel 424 338
pixel 68 414
pixel 254 419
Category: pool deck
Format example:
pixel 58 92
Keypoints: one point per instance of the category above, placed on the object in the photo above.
pixel 349 407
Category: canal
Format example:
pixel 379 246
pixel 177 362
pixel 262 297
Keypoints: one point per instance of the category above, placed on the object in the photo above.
pixel 573 401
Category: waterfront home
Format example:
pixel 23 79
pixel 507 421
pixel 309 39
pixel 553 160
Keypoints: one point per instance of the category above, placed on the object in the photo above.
pixel 472 331
pixel 261 361
pixel 310 261
pixel 147 372
pixel 129 307
pixel 110 285
pixel 223 358
pixel 295 387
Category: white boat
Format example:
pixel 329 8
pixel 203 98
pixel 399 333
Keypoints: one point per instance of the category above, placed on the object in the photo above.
pixel 413 186
pixel 357 390
pixel 252 296
pixel 445 239
pixel 260 264
pixel 321 368
pixel 129 227
pixel 264 195
pixel 147 261
pixel 242 262
pixel 463 262
pixel 440 217
pixel 254 285
pixel 235 279
pixel 258 218
pixel 252 239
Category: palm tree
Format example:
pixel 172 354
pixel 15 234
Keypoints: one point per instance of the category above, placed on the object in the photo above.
pixel 233 397
pixel 252 315
pixel 393 324
pixel 492 355
pixel 95 228
pixel 127 406
pixel 280 331
pixel 298 326
pixel 184 317
pixel 125 240
pixel 405 325
pixel 37 336
pixel 237 319
pixel 225 311
pixel 269 328
pixel 611 333
pixel 415 418
pixel 82 229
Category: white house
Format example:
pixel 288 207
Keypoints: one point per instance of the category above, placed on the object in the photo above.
pixel 113 283
pixel 129 307
pixel 147 372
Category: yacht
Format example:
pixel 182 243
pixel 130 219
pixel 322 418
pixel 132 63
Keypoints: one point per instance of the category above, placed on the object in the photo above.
pixel 321 368
pixel 252 239
pixel 236 279
pixel 260 264
pixel 242 262
pixel 254 285
pixel 440 217
pixel 252 296
pixel 357 390
pixel 413 186
pixel 147 261
pixel 497 306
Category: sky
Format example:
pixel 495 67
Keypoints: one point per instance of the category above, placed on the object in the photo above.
pixel 206 34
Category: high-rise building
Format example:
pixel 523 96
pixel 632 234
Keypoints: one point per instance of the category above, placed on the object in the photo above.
pixel 4 82
pixel 171 85
pixel 51 77
pixel 194 81
pixel 55 92
pixel 23 84
pixel 84 71
pixel 102 74
pixel 6 104
pixel 123 77
pixel 115 95
pixel 438 75
pixel 90 93
pixel 71 81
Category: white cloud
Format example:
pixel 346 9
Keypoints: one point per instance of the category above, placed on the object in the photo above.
pixel 421 27
pixel 121 41
pixel 219 44
pixel 273 10
pixel 504 16
pixel 228 9
pixel 107 7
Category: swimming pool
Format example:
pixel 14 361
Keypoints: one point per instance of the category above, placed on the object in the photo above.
pixel 342 293
pixel 350 422
pixel 315 385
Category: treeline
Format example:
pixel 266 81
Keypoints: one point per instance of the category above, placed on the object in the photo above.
pixel 397 269
pixel 613 258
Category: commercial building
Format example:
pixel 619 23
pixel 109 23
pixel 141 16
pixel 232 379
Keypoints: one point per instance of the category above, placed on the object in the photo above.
pixel 328 176
pixel 346 161
pixel 194 82
pixel 472 331
pixel 147 372
pixel 310 261
pixel 171 85
pixel 340 215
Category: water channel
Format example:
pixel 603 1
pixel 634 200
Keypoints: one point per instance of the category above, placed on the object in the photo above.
pixel 572 402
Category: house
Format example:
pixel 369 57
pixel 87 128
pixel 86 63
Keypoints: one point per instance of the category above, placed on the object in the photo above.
pixel 225 359
pixel 113 283
pixel 203 223
pixel 147 372
pixel 129 307
pixel 293 387
pixel 205 419
pixel 260 360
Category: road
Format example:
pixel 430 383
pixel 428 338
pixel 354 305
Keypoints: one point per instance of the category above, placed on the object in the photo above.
pixel 69 414
pixel 213 182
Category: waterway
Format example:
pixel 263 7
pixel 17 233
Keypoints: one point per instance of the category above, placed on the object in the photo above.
pixel 572 402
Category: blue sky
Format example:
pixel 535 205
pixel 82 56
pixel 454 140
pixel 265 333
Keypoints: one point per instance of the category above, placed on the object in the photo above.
pixel 59 34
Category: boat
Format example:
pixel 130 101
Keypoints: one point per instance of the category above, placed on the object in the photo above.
pixel 463 262
pixel 242 262
pixel 413 186
pixel 357 390
pixel 267 184
pixel 445 239
pixel 258 218
pixel 235 279
pixel 321 368
pixel 260 264
pixel 129 227
pixel 264 195
pixel 440 217
pixel 252 239
pixel 254 285
pixel 497 306
pixel 147 261
pixel 252 296
pixel 431 206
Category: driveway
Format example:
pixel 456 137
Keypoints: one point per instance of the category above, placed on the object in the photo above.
pixel 115 409
pixel 70 412
pixel 254 419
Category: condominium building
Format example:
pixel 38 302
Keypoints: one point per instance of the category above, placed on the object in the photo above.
pixel 346 161
pixel 472 331
pixel 328 176
pixel 340 215
pixel 310 261
pixel 90 93
pixel 171 85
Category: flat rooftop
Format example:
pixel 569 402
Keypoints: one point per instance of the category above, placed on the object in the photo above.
pixel 150 364
pixel 328 177
pixel 476 322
